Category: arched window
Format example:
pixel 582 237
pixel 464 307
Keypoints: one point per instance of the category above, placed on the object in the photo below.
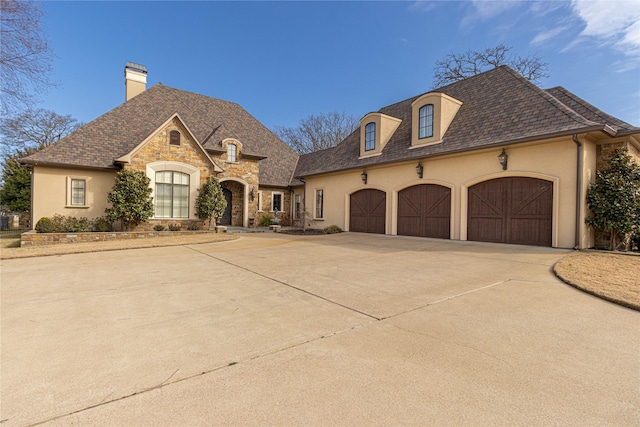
pixel 174 137
pixel 231 153
pixel 370 137
pixel 426 121
pixel 172 195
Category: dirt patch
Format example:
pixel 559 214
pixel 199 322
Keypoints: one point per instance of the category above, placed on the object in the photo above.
pixel 10 248
pixel 613 277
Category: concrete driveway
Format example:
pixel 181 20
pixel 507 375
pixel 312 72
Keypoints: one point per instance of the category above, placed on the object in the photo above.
pixel 346 329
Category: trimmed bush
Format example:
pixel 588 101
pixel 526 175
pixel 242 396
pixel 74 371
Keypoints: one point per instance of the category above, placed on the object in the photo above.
pixel 265 220
pixel 332 229
pixel 102 224
pixel 194 227
pixel 44 225
pixel 174 227
pixel 158 227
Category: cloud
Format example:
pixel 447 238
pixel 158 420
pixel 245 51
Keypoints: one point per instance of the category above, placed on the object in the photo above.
pixel 548 35
pixel 614 23
pixel 423 5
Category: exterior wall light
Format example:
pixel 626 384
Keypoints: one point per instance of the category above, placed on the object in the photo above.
pixel 503 157
pixel 419 170
pixel 363 175
pixel 252 194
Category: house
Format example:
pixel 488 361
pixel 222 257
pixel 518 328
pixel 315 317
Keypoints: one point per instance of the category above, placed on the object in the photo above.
pixel 178 139
pixel 491 158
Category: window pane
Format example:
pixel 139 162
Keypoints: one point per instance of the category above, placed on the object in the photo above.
pixel 319 203
pixel 180 178
pixel 426 121
pixel 164 177
pixel 163 200
pixel 180 201
pixel 370 137
pixel 78 192
pixel 277 202
pixel 231 153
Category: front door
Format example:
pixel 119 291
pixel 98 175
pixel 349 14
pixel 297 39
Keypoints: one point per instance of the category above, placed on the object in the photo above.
pixel 226 216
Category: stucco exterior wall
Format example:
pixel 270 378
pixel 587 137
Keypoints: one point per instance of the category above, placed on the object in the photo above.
pixel 50 190
pixel 555 161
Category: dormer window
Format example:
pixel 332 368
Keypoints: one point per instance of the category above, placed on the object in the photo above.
pixel 431 116
pixel 370 137
pixel 426 121
pixel 231 153
pixel 174 137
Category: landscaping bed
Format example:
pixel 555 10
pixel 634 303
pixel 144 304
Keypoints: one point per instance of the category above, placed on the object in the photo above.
pixel 613 277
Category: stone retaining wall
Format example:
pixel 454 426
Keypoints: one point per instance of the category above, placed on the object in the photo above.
pixel 33 238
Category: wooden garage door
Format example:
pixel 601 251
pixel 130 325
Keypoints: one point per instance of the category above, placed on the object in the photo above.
pixel 368 209
pixel 511 210
pixel 425 211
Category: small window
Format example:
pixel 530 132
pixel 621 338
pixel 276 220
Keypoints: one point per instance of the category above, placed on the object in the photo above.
pixel 174 137
pixel 78 192
pixel 319 204
pixel 231 153
pixel 426 121
pixel 297 204
pixel 370 137
pixel 276 202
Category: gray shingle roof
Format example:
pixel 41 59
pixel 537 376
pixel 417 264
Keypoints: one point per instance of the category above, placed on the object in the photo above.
pixel 211 120
pixel 499 107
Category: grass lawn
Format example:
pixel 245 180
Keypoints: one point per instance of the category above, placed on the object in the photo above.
pixel 614 277
pixel 10 246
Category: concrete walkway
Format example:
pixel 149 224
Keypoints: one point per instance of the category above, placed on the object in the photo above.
pixel 346 329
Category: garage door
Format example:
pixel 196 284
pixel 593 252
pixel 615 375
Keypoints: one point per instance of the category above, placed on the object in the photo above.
pixel 425 211
pixel 368 209
pixel 511 210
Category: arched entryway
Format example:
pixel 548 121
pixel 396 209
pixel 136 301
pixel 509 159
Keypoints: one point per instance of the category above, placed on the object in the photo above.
pixel 425 211
pixel 515 210
pixel 368 211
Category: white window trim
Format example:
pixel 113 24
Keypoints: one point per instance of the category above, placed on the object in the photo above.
pixel 194 183
pixel 86 192
pixel 260 201
pixel 315 204
pixel 273 193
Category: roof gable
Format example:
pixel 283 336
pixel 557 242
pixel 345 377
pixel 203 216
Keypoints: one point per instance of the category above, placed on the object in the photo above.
pixel 124 128
pixel 498 107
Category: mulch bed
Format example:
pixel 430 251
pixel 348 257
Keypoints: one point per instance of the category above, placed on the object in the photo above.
pixel 300 232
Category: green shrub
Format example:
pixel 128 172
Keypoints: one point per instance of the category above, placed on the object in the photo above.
pixel 44 225
pixel 332 229
pixel 265 220
pixel 70 224
pixel 174 227
pixel 194 227
pixel 102 224
pixel 158 227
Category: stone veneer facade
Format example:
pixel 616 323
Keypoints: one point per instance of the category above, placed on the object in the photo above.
pixel 239 176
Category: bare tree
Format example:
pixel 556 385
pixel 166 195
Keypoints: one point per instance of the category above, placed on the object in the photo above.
pixel 318 132
pixel 35 129
pixel 459 66
pixel 25 58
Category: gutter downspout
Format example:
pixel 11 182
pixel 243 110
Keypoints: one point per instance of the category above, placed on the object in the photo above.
pixel 578 190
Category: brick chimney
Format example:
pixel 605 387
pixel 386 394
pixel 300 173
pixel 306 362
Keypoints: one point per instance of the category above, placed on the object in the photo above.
pixel 135 79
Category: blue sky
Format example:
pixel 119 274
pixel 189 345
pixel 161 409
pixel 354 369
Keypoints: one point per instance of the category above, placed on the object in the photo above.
pixel 285 60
